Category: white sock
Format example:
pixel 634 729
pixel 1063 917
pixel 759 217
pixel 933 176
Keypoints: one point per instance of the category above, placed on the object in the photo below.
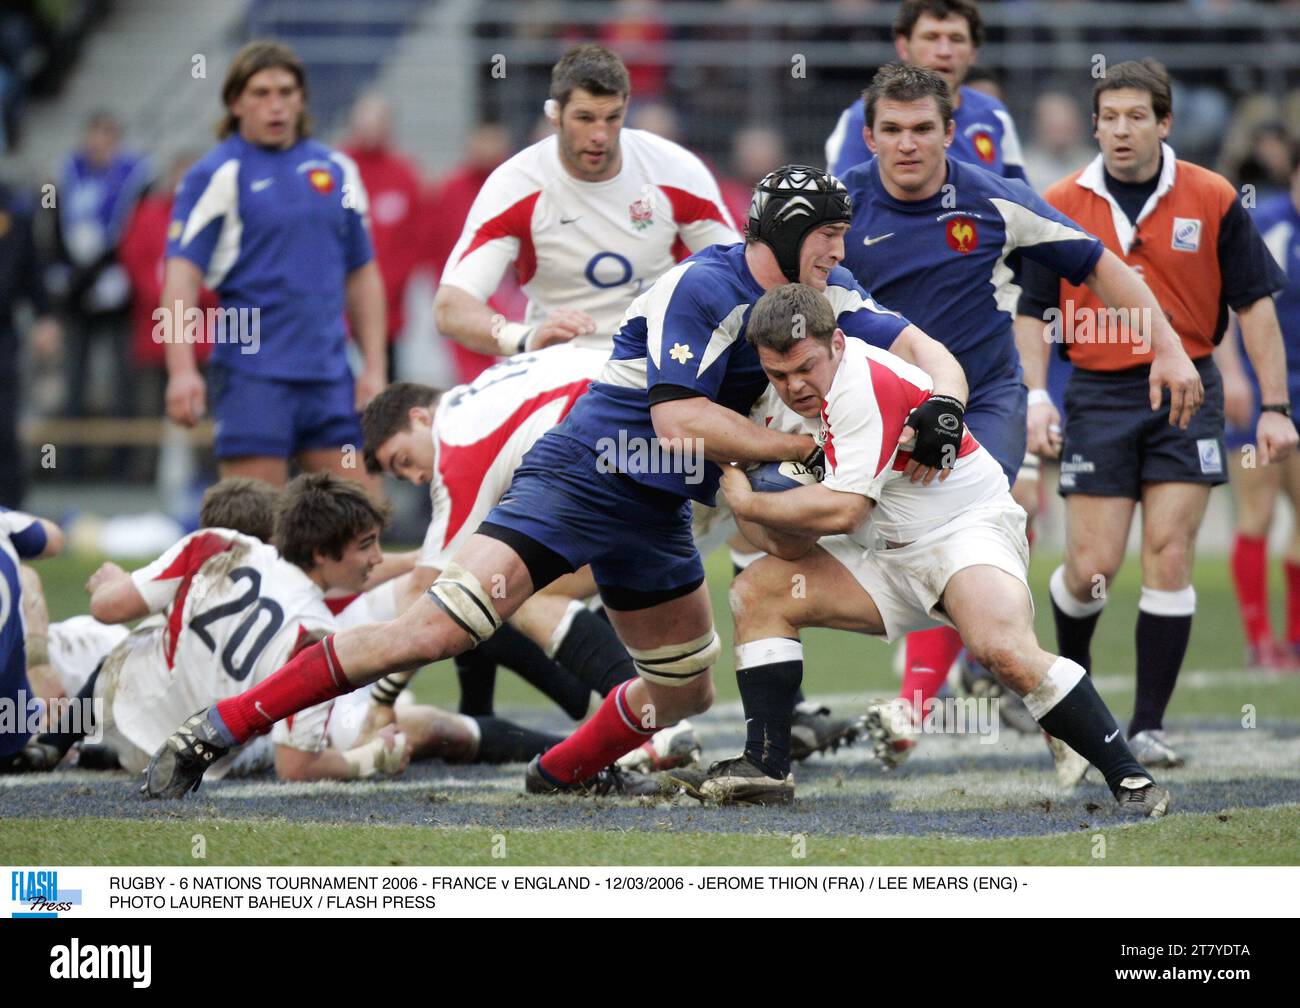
pixel 1066 602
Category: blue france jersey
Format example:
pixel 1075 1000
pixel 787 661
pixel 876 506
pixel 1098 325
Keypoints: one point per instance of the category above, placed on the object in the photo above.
pixel 21 536
pixel 984 136
pixel 943 261
pixel 688 332
pixel 277 231
pixel 1279 225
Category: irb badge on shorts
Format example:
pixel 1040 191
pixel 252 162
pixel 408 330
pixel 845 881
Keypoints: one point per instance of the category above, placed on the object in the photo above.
pixel 1211 459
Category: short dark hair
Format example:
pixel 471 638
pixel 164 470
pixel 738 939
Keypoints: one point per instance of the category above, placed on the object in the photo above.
pixel 904 82
pixel 1148 75
pixel 239 503
pixel 910 11
pixel 787 314
pixel 591 67
pixel 256 56
pixel 389 413
pixel 321 513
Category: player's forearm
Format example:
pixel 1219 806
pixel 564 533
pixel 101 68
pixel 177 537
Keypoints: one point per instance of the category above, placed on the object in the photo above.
pixel 118 601
pixel 1033 349
pixel 296 765
pixel 366 316
pixel 723 434
pixel 932 357
pixel 393 565
pixel 804 511
pixel 461 316
pixel 411 586
pixel 1262 338
pixel 1119 286
pixel 783 545
pixel 180 292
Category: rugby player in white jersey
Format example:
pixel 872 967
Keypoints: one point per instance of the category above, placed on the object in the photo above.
pixel 589 218
pixel 883 554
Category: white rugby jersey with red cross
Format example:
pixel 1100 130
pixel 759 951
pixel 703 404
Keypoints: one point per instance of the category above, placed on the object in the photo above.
pixel 481 432
pixel 870 397
pixel 592 246
pixel 235 611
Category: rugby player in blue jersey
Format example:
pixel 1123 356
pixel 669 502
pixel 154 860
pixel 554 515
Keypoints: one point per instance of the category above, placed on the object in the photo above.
pixel 943 36
pixel 612 486
pixel 275 223
pixel 931 237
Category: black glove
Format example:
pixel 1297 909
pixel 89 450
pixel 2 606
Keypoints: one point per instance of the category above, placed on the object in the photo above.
pixel 938 426
pixel 816 463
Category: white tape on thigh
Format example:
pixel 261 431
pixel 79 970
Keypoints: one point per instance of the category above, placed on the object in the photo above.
pixel 677 664
pixel 460 595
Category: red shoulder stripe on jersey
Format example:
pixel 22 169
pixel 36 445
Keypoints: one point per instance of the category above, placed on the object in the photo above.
pixel 896 397
pixel 688 208
pixel 514 222
pixel 337 605
pixel 463 467
pixel 196 553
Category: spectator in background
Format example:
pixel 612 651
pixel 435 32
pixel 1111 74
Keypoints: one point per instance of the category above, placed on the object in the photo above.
pixel 142 249
pixel 755 151
pixel 1060 145
pixel 486 147
pixel 97 190
pixel 20 281
pixel 393 185
pixel 1267 164
pixel 657 118
pixel 985 81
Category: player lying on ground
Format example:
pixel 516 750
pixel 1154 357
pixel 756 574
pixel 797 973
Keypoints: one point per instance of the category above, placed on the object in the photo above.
pixel 610 487
pixel 26 537
pixel 897 555
pixel 224 606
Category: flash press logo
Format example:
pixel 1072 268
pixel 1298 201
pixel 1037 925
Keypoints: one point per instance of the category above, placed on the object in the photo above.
pixel 39 891
pixel 75 961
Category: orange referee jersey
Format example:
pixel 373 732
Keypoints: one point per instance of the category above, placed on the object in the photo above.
pixel 1173 246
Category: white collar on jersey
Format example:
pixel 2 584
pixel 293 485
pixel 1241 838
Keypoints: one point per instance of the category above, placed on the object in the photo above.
pixel 1094 178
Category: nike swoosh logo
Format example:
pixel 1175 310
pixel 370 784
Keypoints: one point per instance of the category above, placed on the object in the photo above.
pixel 260 184
pixel 570 220
pixel 871 241
pixel 1112 735
pixel 262 711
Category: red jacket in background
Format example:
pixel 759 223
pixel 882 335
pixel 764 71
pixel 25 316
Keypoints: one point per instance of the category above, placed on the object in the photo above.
pixel 141 252
pixel 449 202
pixel 393 187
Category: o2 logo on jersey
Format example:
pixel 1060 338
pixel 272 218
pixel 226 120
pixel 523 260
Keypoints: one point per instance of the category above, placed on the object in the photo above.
pixel 961 234
pixel 608 269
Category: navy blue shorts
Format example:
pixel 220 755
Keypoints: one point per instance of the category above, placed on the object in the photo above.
pixel 1114 443
pixel 279 418
pixel 996 419
pixel 638 540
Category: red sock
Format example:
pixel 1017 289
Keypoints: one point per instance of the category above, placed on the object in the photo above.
pixel 612 731
pixel 313 676
pixel 930 653
pixel 1250 574
pixel 1292 600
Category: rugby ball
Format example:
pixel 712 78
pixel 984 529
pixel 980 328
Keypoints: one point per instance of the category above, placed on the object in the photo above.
pixel 772 477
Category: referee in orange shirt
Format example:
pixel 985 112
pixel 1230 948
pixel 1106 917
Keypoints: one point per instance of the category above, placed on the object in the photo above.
pixel 1183 228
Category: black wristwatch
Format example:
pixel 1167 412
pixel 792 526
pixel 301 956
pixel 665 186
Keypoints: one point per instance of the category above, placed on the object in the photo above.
pixel 1283 408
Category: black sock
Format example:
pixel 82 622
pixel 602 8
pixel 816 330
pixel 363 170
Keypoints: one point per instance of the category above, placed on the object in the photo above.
pixel 1082 721
pixel 592 651
pixel 65 740
pixel 1161 645
pixel 767 693
pixel 798 696
pixel 478 679
pixel 1074 636
pixel 502 741
pixel 516 652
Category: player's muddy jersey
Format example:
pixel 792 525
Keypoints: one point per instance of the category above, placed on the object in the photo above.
pixel 482 430
pixel 232 612
pixel 864 414
pixel 686 336
pixel 592 246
